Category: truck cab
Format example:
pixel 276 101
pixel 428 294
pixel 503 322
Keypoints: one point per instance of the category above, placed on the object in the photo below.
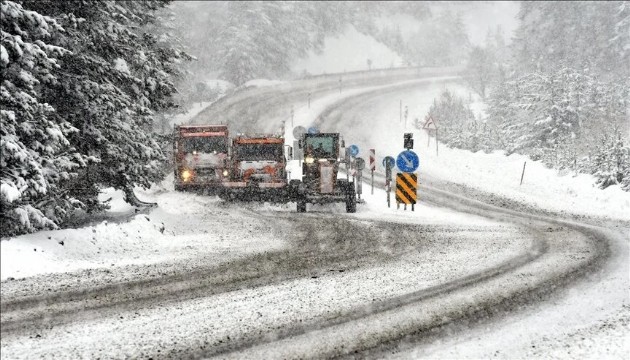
pixel 319 183
pixel 257 170
pixel 201 155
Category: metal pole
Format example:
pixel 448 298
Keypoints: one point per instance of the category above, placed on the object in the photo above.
pixel 400 120
pixel 372 182
pixel 523 174
pixel 347 164
pixel 436 142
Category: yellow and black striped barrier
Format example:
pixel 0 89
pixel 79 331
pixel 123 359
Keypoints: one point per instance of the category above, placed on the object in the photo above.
pixel 406 189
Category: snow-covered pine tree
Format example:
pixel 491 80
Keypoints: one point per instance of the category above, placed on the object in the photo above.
pixel 108 88
pixel 261 39
pixel 455 121
pixel 480 70
pixel 35 154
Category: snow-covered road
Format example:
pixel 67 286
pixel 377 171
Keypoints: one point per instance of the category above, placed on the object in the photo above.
pixel 260 281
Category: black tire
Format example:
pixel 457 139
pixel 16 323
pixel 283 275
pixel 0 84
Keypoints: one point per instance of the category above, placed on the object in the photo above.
pixel 351 199
pixel 301 205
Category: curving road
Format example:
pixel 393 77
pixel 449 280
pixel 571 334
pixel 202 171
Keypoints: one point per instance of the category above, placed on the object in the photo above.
pixel 344 285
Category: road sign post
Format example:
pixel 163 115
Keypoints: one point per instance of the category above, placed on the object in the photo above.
pixel 353 151
pixel 408 161
pixel 406 189
pixel 388 163
pixel 298 132
pixel 408 141
pixel 359 184
pixel 372 166
pixel 429 125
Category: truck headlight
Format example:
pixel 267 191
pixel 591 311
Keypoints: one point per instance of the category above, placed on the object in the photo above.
pixel 186 175
pixel 225 173
pixel 309 159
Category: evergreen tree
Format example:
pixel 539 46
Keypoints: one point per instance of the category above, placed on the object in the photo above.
pixel 262 38
pixel 109 87
pixel 35 154
pixel 480 70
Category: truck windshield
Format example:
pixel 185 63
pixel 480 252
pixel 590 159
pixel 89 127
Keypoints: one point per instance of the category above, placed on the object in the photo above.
pixel 321 147
pixel 205 144
pixel 271 152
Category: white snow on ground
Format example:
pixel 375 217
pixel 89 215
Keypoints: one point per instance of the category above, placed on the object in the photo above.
pixel 163 234
pixel 195 109
pixel 141 240
pixel 349 51
pixel 220 86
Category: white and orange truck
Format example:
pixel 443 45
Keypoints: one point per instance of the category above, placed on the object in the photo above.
pixel 257 170
pixel 201 157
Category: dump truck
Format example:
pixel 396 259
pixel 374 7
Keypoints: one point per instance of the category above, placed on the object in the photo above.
pixel 319 183
pixel 257 170
pixel 201 157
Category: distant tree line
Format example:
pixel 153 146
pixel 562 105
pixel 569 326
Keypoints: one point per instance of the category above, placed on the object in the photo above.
pixel 241 41
pixel 559 93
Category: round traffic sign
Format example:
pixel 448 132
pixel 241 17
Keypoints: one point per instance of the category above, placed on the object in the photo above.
pixel 354 150
pixel 408 161
pixel 313 130
pixel 390 160
pixel 298 131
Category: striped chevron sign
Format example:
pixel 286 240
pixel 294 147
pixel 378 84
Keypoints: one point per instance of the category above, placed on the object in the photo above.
pixel 372 159
pixel 406 187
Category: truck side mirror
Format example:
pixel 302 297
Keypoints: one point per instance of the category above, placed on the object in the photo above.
pixel 343 143
pixel 289 152
pixel 300 144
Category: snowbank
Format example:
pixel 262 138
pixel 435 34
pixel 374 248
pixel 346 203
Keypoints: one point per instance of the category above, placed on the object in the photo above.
pixel 123 237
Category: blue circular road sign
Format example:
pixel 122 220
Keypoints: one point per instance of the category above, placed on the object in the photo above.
pixel 408 161
pixel 354 150
pixel 390 160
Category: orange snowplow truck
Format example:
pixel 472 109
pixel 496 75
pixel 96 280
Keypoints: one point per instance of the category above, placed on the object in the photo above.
pixel 257 170
pixel 201 157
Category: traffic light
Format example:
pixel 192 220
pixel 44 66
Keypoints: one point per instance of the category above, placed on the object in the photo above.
pixel 408 143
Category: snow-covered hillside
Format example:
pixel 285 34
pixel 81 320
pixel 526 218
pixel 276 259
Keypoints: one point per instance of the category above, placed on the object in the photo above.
pixel 348 52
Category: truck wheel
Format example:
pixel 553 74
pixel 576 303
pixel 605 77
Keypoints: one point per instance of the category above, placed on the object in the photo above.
pixel 301 205
pixel 351 199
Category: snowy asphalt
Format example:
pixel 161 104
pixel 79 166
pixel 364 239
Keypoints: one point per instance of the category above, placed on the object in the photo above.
pixel 344 285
